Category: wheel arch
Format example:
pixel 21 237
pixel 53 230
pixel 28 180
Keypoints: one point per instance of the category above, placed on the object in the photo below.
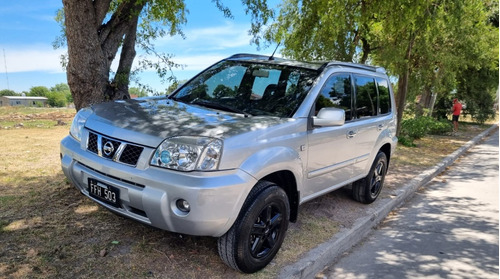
pixel 282 166
pixel 386 148
pixel 287 181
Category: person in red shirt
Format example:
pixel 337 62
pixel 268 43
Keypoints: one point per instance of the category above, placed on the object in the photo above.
pixel 456 110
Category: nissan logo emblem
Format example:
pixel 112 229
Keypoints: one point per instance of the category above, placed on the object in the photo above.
pixel 108 148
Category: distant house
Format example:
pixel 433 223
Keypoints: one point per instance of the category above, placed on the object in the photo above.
pixel 22 101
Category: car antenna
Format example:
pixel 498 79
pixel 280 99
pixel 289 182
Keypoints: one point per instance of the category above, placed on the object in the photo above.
pixel 272 55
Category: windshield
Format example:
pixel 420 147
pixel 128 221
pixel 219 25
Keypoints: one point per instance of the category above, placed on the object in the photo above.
pixel 250 88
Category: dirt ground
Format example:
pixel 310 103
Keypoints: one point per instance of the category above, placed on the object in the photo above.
pixel 49 230
pixel 16 117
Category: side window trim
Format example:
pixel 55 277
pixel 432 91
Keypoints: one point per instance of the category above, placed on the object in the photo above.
pixel 354 114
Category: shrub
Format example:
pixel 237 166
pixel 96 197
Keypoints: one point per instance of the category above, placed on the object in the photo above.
pixel 440 127
pixel 406 141
pixel 56 99
pixel 416 128
pixel 481 110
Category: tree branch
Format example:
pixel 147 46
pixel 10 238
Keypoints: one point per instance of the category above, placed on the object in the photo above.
pixel 112 32
pixel 127 56
pixel 101 8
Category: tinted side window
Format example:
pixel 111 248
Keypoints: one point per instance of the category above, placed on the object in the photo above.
pixel 383 96
pixel 366 97
pixel 336 92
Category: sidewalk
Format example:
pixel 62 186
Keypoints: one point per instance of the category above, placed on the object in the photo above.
pixel 316 259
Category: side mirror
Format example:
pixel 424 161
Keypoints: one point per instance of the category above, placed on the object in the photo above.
pixel 329 117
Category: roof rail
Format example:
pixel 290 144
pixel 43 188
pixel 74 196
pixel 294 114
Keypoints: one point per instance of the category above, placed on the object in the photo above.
pixel 248 55
pixel 381 70
pixel 359 66
pixel 324 64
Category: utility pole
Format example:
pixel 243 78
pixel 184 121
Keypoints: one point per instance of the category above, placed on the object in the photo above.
pixel 6 73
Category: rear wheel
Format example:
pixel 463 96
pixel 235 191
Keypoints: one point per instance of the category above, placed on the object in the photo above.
pixel 257 235
pixel 368 189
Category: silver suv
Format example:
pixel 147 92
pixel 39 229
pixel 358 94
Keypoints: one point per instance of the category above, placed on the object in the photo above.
pixel 237 149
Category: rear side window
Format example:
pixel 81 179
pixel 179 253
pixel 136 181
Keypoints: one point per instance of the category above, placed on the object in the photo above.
pixel 383 96
pixel 336 92
pixel 366 96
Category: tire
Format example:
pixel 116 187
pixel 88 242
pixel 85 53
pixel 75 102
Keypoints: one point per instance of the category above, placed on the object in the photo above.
pixel 256 236
pixel 367 190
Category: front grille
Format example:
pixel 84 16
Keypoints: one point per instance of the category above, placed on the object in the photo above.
pixel 131 154
pixel 92 143
pixel 113 149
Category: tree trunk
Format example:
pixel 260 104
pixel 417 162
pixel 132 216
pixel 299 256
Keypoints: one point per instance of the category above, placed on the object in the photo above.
pixel 92 47
pixel 87 71
pixel 432 103
pixel 424 102
pixel 366 50
pixel 401 97
pixel 403 84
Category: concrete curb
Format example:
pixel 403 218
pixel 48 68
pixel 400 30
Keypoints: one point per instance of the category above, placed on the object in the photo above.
pixel 316 259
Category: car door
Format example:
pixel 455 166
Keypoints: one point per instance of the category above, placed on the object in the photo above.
pixel 330 155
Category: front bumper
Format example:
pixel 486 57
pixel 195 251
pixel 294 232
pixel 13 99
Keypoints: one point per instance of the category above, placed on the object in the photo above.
pixel 148 194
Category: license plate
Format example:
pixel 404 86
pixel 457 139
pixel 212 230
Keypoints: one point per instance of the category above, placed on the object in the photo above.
pixel 104 192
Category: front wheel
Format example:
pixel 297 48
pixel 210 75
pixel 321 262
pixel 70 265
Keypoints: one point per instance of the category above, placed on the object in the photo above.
pixel 368 189
pixel 256 236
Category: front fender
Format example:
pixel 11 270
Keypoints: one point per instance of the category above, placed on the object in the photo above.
pixel 273 159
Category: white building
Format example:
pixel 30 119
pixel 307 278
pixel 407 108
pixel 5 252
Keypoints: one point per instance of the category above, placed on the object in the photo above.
pixel 22 101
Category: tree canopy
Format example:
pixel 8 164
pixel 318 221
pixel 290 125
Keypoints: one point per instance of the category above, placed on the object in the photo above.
pixel 38 91
pixel 427 45
pixel 430 47
pixel 8 92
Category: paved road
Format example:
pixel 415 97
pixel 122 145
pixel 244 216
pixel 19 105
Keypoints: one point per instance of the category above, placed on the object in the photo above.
pixel 449 229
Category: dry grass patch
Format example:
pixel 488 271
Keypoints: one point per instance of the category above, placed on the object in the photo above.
pixel 433 148
pixel 307 233
pixel 29 117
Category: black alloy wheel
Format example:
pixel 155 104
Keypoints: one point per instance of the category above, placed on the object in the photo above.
pixel 377 179
pixel 367 189
pixel 266 231
pixel 256 236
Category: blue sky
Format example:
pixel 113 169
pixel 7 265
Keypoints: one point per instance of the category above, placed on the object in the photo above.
pixel 28 28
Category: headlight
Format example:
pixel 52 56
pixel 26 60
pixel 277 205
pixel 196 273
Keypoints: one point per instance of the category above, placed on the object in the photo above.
pixel 79 122
pixel 188 153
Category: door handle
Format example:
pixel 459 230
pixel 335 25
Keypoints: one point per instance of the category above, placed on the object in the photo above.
pixel 351 134
pixel 380 127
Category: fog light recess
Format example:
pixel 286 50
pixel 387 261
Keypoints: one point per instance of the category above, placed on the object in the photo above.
pixel 183 205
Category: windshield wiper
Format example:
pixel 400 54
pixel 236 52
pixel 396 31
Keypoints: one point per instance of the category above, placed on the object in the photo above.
pixel 210 104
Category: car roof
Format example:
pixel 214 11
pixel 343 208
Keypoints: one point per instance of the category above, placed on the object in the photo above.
pixel 316 65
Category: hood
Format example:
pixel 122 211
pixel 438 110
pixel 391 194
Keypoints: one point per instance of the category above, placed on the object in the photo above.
pixel 149 121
